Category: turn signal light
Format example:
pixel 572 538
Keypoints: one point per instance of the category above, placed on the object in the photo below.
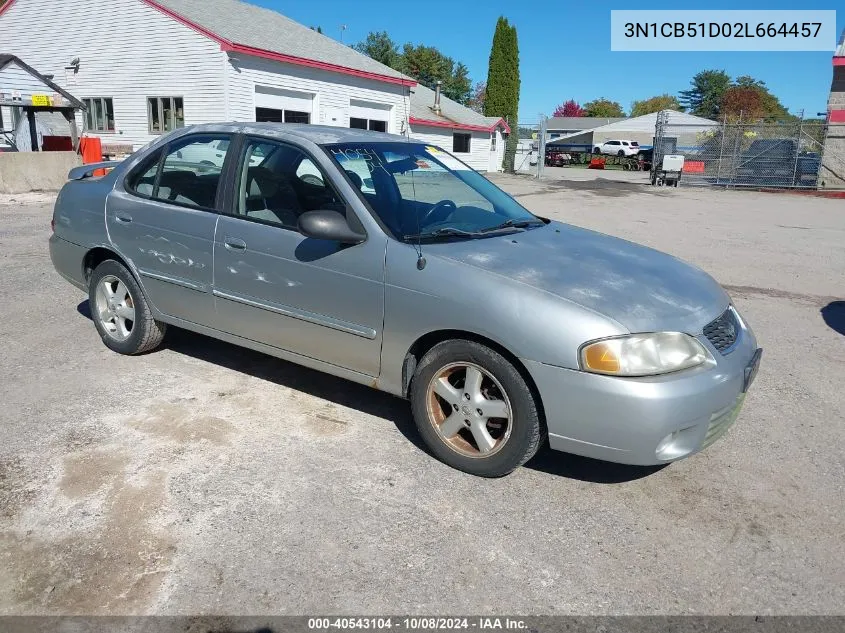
pixel 601 357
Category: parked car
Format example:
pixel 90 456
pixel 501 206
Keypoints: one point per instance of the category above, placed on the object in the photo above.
pixel 557 159
pixel 777 162
pixel 502 328
pixel 617 148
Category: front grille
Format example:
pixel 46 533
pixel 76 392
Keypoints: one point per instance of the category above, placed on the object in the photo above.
pixel 723 331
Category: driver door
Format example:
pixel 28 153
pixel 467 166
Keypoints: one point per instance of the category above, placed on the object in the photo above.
pixel 316 298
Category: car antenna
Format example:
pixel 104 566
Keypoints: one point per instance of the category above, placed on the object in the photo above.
pixel 407 125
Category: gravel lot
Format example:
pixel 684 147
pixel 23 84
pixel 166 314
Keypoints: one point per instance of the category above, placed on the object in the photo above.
pixel 206 478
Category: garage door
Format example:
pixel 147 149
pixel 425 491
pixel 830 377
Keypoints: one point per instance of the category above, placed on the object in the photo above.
pixel 283 106
pixel 366 115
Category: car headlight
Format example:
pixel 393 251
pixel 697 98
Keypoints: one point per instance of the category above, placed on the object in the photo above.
pixel 643 354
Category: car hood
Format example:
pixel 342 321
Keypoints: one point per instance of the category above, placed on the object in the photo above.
pixel 640 288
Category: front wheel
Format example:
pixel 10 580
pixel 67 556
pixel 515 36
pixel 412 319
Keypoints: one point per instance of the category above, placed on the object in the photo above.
pixel 474 410
pixel 120 311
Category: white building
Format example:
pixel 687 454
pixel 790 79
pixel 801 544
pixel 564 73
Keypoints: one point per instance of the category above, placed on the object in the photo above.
pixel 143 67
pixel 640 129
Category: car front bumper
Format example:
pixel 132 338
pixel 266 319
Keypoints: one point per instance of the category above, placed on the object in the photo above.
pixel 650 420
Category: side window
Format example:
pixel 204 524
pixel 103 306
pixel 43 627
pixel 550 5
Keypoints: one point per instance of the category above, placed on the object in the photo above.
pixel 278 183
pixel 191 171
pixel 309 173
pixel 142 180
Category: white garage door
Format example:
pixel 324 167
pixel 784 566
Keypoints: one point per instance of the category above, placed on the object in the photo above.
pixel 366 115
pixel 283 106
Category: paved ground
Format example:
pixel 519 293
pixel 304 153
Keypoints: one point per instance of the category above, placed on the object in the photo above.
pixel 208 478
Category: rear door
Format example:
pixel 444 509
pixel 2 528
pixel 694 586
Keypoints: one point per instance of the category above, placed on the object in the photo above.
pixel 162 220
pixel 316 298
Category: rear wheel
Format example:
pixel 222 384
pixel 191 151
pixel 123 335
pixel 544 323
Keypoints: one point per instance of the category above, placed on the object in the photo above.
pixel 474 410
pixel 597 150
pixel 621 152
pixel 120 312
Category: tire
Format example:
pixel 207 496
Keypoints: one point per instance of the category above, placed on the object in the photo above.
pixel 621 152
pixel 597 150
pixel 110 312
pixel 515 439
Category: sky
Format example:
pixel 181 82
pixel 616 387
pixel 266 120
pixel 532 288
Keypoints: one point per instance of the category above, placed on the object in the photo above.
pixel 565 47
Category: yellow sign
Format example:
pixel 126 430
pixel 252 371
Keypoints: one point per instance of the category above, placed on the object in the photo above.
pixel 41 100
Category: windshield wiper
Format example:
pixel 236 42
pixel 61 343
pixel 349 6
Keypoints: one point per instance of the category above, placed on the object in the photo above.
pixel 512 224
pixel 446 231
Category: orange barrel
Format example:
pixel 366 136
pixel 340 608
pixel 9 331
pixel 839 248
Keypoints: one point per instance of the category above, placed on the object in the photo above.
pixel 92 152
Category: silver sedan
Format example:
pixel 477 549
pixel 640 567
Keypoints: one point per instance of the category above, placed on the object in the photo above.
pixel 389 262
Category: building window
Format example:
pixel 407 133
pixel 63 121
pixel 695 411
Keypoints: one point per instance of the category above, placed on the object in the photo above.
pixel 292 116
pixel 272 115
pixel 460 143
pixel 99 116
pixel 165 114
pixel 493 142
pixel 373 125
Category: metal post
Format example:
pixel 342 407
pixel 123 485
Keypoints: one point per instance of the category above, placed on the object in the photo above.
pixel 33 131
pixel 541 159
pixel 798 147
pixel 70 116
pixel 736 153
pixel 722 147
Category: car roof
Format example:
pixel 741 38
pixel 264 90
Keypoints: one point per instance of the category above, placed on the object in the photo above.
pixel 320 134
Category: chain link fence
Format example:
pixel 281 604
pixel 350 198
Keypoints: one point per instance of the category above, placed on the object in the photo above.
pixel 761 155
pixel 531 148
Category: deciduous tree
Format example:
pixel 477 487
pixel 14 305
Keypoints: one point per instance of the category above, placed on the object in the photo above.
pixel 568 109
pixel 603 108
pixel 476 99
pixel 741 103
pixel 655 104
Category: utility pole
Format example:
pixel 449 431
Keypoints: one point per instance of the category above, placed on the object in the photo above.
pixel 342 29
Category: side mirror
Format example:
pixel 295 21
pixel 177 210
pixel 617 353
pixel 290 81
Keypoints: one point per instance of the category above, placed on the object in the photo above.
pixel 328 225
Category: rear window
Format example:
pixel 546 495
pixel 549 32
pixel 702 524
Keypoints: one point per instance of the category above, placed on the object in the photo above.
pixel 635 143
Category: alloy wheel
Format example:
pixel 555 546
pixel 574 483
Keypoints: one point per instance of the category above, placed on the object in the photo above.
pixel 115 308
pixel 469 409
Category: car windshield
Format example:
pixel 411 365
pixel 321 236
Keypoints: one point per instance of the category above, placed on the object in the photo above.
pixel 422 191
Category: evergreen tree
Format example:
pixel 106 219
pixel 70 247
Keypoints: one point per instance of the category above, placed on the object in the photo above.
pixel 381 48
pixel 704 98
pixel 502 97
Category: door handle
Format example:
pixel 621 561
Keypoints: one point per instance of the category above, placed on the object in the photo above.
pixel 234 244
pixel 123 218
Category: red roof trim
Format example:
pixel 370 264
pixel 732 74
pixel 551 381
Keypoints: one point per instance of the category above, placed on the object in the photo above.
pixel 460 126
pixel 836 116
pixel 313 63
pixel 232 47
pixel 837 61
pixel 6 6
